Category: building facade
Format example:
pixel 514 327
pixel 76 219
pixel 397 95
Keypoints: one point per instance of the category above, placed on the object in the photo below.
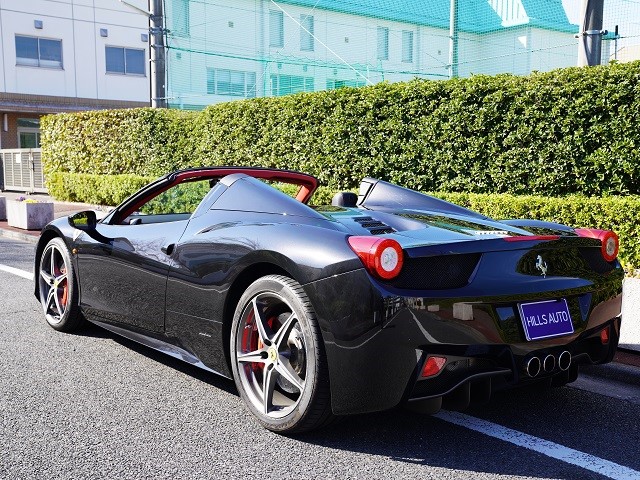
pixel 65 56
pixel 221 50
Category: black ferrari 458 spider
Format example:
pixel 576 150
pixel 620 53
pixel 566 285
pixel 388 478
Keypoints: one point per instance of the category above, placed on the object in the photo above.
pixel 385 298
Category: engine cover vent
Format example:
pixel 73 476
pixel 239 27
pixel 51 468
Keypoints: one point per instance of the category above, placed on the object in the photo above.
pixel 375 227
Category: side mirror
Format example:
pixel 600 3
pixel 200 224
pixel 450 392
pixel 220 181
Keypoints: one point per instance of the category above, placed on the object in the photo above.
pixel 85 221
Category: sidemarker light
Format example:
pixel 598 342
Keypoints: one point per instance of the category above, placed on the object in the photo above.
pixel 604 336
pixel 382 257
pixel 609 240
pixel 433 366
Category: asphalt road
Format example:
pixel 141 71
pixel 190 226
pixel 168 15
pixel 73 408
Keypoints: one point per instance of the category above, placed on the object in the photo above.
pixel 97 406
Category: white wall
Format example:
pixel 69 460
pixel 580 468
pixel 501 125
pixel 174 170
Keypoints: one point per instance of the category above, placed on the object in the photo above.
pixel 77 23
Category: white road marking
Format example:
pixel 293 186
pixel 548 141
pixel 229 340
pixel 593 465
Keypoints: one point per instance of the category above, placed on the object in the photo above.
pixel 16 271
pixel 545 447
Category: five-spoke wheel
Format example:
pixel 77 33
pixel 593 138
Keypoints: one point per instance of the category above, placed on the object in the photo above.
pixel 57 287
pixel 278 358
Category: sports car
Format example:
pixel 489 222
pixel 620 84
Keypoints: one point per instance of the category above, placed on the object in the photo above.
pixel 385 298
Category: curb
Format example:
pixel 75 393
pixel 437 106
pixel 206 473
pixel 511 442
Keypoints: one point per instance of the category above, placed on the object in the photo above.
pixel 25 237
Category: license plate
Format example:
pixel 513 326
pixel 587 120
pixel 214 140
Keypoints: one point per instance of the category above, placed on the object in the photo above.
pixel 546 319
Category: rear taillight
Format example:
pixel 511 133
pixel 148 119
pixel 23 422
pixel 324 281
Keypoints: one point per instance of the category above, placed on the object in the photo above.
pixel 382 257
pixel 432 366
pixel 609 240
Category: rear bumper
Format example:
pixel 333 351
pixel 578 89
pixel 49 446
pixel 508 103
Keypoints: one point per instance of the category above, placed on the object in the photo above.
pixel 499 367
pixel 377 341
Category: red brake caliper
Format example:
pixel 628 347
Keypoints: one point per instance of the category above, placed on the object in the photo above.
pixel 65 288
pixel 251 342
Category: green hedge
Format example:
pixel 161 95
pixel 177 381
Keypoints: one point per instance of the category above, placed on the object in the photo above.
pixel 567 131
pixel 94 189
pixel 621 214
pixel 144 141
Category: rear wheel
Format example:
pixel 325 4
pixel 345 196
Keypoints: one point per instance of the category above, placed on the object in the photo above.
pixel 278 357
pixel 58 288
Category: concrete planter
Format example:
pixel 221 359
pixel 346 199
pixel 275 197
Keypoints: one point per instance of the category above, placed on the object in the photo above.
pixel 3 208
pixel 29 216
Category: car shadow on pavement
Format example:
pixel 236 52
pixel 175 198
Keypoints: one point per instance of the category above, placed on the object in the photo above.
pixel 567 416
pixel 217 381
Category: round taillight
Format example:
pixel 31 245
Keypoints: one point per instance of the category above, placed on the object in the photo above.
pixel 610 246
pixel 610 243
pixel 382 257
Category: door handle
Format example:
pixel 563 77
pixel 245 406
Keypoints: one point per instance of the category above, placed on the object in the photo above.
pixel 168 249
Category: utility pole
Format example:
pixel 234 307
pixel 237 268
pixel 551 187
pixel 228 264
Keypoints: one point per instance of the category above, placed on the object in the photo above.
pixel 453 39
pixel 590 37
pixel 157 52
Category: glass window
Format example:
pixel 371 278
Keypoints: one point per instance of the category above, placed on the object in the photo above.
pixel 211 81
pixel 335 84
pixel 29 140
pixel 223 84
pixel 134 61
pixel 407 46
pixel 383 43
pixel 180 18
pixel 128 61
pixel 29 122
pixel 306 33
pixel 182 198
pixel 38 52
pixel 27 50
pixel 115 59
pixel 28 133
pixel 231 82
pixel 287 84
pixel 276 28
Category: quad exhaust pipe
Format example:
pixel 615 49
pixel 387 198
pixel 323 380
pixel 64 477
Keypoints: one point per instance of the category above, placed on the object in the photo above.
pixel 564 361
pixel 534 366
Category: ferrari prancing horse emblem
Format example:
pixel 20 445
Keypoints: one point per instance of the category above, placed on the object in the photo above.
pixel 542 266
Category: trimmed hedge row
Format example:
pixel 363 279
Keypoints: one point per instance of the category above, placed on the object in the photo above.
pixel 621 214
pixel 568 131
pixel 142 141
pixel 94 189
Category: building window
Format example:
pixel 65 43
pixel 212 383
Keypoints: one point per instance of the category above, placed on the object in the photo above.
pixel 38 52
pixel 125 61
pixel 180 18
pixel 336 84
pixel 276 28
pixel 288 84
pixel 407 46
pixel 234 83
pixel 306 33
pixel 28 133
pixel 383 43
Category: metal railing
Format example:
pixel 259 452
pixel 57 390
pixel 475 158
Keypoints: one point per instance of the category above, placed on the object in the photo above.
pixel 22 170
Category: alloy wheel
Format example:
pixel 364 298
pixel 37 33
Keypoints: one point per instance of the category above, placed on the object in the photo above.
pixel 271 355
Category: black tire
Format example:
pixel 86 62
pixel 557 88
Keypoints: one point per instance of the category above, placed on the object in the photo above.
pixel 285 358
pixel 58 287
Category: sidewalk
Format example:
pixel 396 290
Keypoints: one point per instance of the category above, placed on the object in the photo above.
pixel 60 209
pixel 629 356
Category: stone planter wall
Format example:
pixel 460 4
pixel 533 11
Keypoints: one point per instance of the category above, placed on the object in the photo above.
pixel 3 208
pixel 29 216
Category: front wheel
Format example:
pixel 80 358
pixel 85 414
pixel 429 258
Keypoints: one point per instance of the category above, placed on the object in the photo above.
pixel 278 357
pixel 57 287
